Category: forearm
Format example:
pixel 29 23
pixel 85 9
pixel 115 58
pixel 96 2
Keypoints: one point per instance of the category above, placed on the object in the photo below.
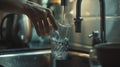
pixel 12 5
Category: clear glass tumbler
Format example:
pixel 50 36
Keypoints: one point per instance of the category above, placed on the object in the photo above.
pixel 59 47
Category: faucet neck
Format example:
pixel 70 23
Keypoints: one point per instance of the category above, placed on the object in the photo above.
pixel 78 8
pixel 102 21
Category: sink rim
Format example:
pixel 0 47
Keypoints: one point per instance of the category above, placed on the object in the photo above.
pixel 108 45
pixel 28 52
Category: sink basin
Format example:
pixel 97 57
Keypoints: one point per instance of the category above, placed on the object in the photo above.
pixel 40 58
pixel 108 54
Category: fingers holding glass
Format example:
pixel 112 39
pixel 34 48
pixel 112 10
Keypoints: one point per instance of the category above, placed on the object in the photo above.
pixel 51 19
pixel 42 18
pixel 36 19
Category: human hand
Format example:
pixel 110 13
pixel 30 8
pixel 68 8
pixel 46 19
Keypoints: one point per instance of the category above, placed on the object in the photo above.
pixel 42 18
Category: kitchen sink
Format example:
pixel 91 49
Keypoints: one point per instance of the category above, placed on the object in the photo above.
pixel 40 58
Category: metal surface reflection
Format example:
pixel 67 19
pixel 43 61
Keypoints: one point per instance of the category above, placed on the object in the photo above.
pixel 41 58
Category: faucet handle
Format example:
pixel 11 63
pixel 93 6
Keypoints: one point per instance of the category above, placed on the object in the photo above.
pixel 96 39
pixel 94 34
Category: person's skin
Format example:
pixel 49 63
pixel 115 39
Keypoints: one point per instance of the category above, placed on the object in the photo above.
pixel 42 18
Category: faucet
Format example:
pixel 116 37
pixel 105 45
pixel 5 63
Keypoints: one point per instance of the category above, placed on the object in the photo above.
pixel 79 19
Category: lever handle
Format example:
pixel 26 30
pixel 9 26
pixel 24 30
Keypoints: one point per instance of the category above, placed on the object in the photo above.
pixel 96 38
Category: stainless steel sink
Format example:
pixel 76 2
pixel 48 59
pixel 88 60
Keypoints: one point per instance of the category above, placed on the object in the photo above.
pixel 40 58
pixel 108 54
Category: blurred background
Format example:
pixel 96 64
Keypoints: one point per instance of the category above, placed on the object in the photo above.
pixel 19 34
pixel 90 11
